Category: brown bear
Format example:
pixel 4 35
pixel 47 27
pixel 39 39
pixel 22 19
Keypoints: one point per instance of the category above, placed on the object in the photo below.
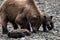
pixel 21 12
pixel 47 23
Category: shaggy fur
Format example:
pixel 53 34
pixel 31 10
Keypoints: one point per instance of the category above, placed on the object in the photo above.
pixel 21 12
pixel 47 23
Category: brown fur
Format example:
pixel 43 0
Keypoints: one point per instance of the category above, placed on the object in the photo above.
pixel 47 23
pixel 19 12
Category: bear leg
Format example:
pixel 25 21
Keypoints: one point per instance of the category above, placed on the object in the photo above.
pixel 44 28
pixel 52 26
pixel 15 25
pixel 4 27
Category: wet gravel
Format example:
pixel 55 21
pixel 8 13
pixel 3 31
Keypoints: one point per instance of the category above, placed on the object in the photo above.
pixel 52 7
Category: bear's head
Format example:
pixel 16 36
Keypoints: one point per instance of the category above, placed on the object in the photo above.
pixel 47 21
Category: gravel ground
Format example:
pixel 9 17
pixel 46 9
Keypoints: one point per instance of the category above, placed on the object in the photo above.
pixel 51 7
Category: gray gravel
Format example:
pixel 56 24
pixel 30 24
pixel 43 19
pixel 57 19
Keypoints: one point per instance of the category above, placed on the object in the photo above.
pixel 51 7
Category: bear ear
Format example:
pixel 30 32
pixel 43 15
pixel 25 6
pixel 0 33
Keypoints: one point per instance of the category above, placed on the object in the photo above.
pixel 44 16
pixel 51 17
